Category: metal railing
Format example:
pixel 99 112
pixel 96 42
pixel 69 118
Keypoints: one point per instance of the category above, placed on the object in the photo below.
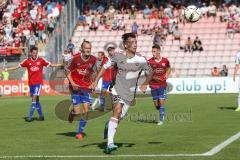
pixel 62 33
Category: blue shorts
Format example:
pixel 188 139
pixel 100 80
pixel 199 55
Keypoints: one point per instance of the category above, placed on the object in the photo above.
pixel 159 93
pixel 82 96
pixel 106 85
pixel 35 89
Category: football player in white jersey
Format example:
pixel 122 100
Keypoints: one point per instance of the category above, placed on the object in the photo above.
pixel 234 77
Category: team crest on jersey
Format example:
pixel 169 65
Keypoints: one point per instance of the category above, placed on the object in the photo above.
pixel 30 64
pixel 163 64
pixel 38 63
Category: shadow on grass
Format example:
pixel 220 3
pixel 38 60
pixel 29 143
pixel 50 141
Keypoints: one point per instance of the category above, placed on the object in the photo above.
pixel 102 145
pixel 229 108
pixel 68 134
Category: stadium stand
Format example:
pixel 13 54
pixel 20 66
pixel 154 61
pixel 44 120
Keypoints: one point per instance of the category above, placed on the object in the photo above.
pixel 219 49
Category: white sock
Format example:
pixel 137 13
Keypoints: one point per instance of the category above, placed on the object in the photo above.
pixel 112 126
pixel 239 101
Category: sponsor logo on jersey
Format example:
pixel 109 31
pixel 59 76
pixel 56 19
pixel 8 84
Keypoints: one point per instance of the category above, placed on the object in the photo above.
pixel 34 69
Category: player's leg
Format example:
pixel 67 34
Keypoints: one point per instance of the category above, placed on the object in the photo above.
pixel 112 126
pixel 105 86
pixel 33 104
pixel 38 105
pixel 159 96
pixel 238 108
pixel 83 121
pixel 86 99
pixel 76 107
pixel 161 101
pixel 39 109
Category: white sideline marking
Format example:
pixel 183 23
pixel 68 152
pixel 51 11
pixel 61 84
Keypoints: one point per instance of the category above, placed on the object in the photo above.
pixel 212 152
pixel 222 145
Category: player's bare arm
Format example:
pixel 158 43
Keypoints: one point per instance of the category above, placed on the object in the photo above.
pixel 149 76
pixel 235 71
pixel 74 85
pixel 10 69
pixel 99 75
pixel 56 65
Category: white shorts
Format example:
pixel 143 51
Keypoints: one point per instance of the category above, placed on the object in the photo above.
pixel 117 99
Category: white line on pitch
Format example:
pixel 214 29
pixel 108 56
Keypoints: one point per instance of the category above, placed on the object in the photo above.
pixel 212 152
pixel 219 147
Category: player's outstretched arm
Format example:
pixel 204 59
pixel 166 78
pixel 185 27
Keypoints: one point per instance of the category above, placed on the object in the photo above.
pixel 99 75
pixel 10 68
pixel 149 76
pixel 235 71
pixel 56 65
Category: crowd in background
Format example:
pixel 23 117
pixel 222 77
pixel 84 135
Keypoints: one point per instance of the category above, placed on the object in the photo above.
pixel 26 23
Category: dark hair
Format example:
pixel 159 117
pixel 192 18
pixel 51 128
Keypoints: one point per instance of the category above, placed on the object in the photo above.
pixel 84 41
pixel 110 48
pixel 156 46
pixel 33 48
pixel 126 36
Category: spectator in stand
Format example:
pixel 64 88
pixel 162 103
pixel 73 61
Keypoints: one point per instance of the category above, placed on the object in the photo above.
pixel 134 28
pixel 32 41
pixel 204 9
pixel 197 45
pixel 161 12
pixel 146 12
pixel 168 11
pixel 154 13
pixel 41 29
pixel 82 20
pixel 133 12
pixel 157 39
pixel 172 27
pixel 33 13
pixel 103 19
pixel 51 24
pixel 188 45
pixel 177 35
pixel 94 25
pixel 70 46
pixel 111 12
pixel 115 24
pixel 144 30
pixel 121 24
pixel 212 11
pixel 224 71
pixel 230 29
pixel 224 15
pixel 165 21
pixel 215 72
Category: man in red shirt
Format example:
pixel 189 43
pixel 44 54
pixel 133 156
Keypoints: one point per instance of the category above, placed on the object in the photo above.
pixel 158 84
pixel 34 67
pixel 41 29
pixel 81 70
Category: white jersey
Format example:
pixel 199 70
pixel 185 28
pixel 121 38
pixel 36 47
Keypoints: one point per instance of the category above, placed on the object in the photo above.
pixel 67 57
pixel 238 58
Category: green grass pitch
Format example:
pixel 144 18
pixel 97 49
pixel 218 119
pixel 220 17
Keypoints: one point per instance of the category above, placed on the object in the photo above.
pixel 194 124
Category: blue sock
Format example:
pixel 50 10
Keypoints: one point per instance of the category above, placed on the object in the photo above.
pixel 39 109
pixel 31 111
pixel 82 124
pixel 161 112
pixel 102 101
